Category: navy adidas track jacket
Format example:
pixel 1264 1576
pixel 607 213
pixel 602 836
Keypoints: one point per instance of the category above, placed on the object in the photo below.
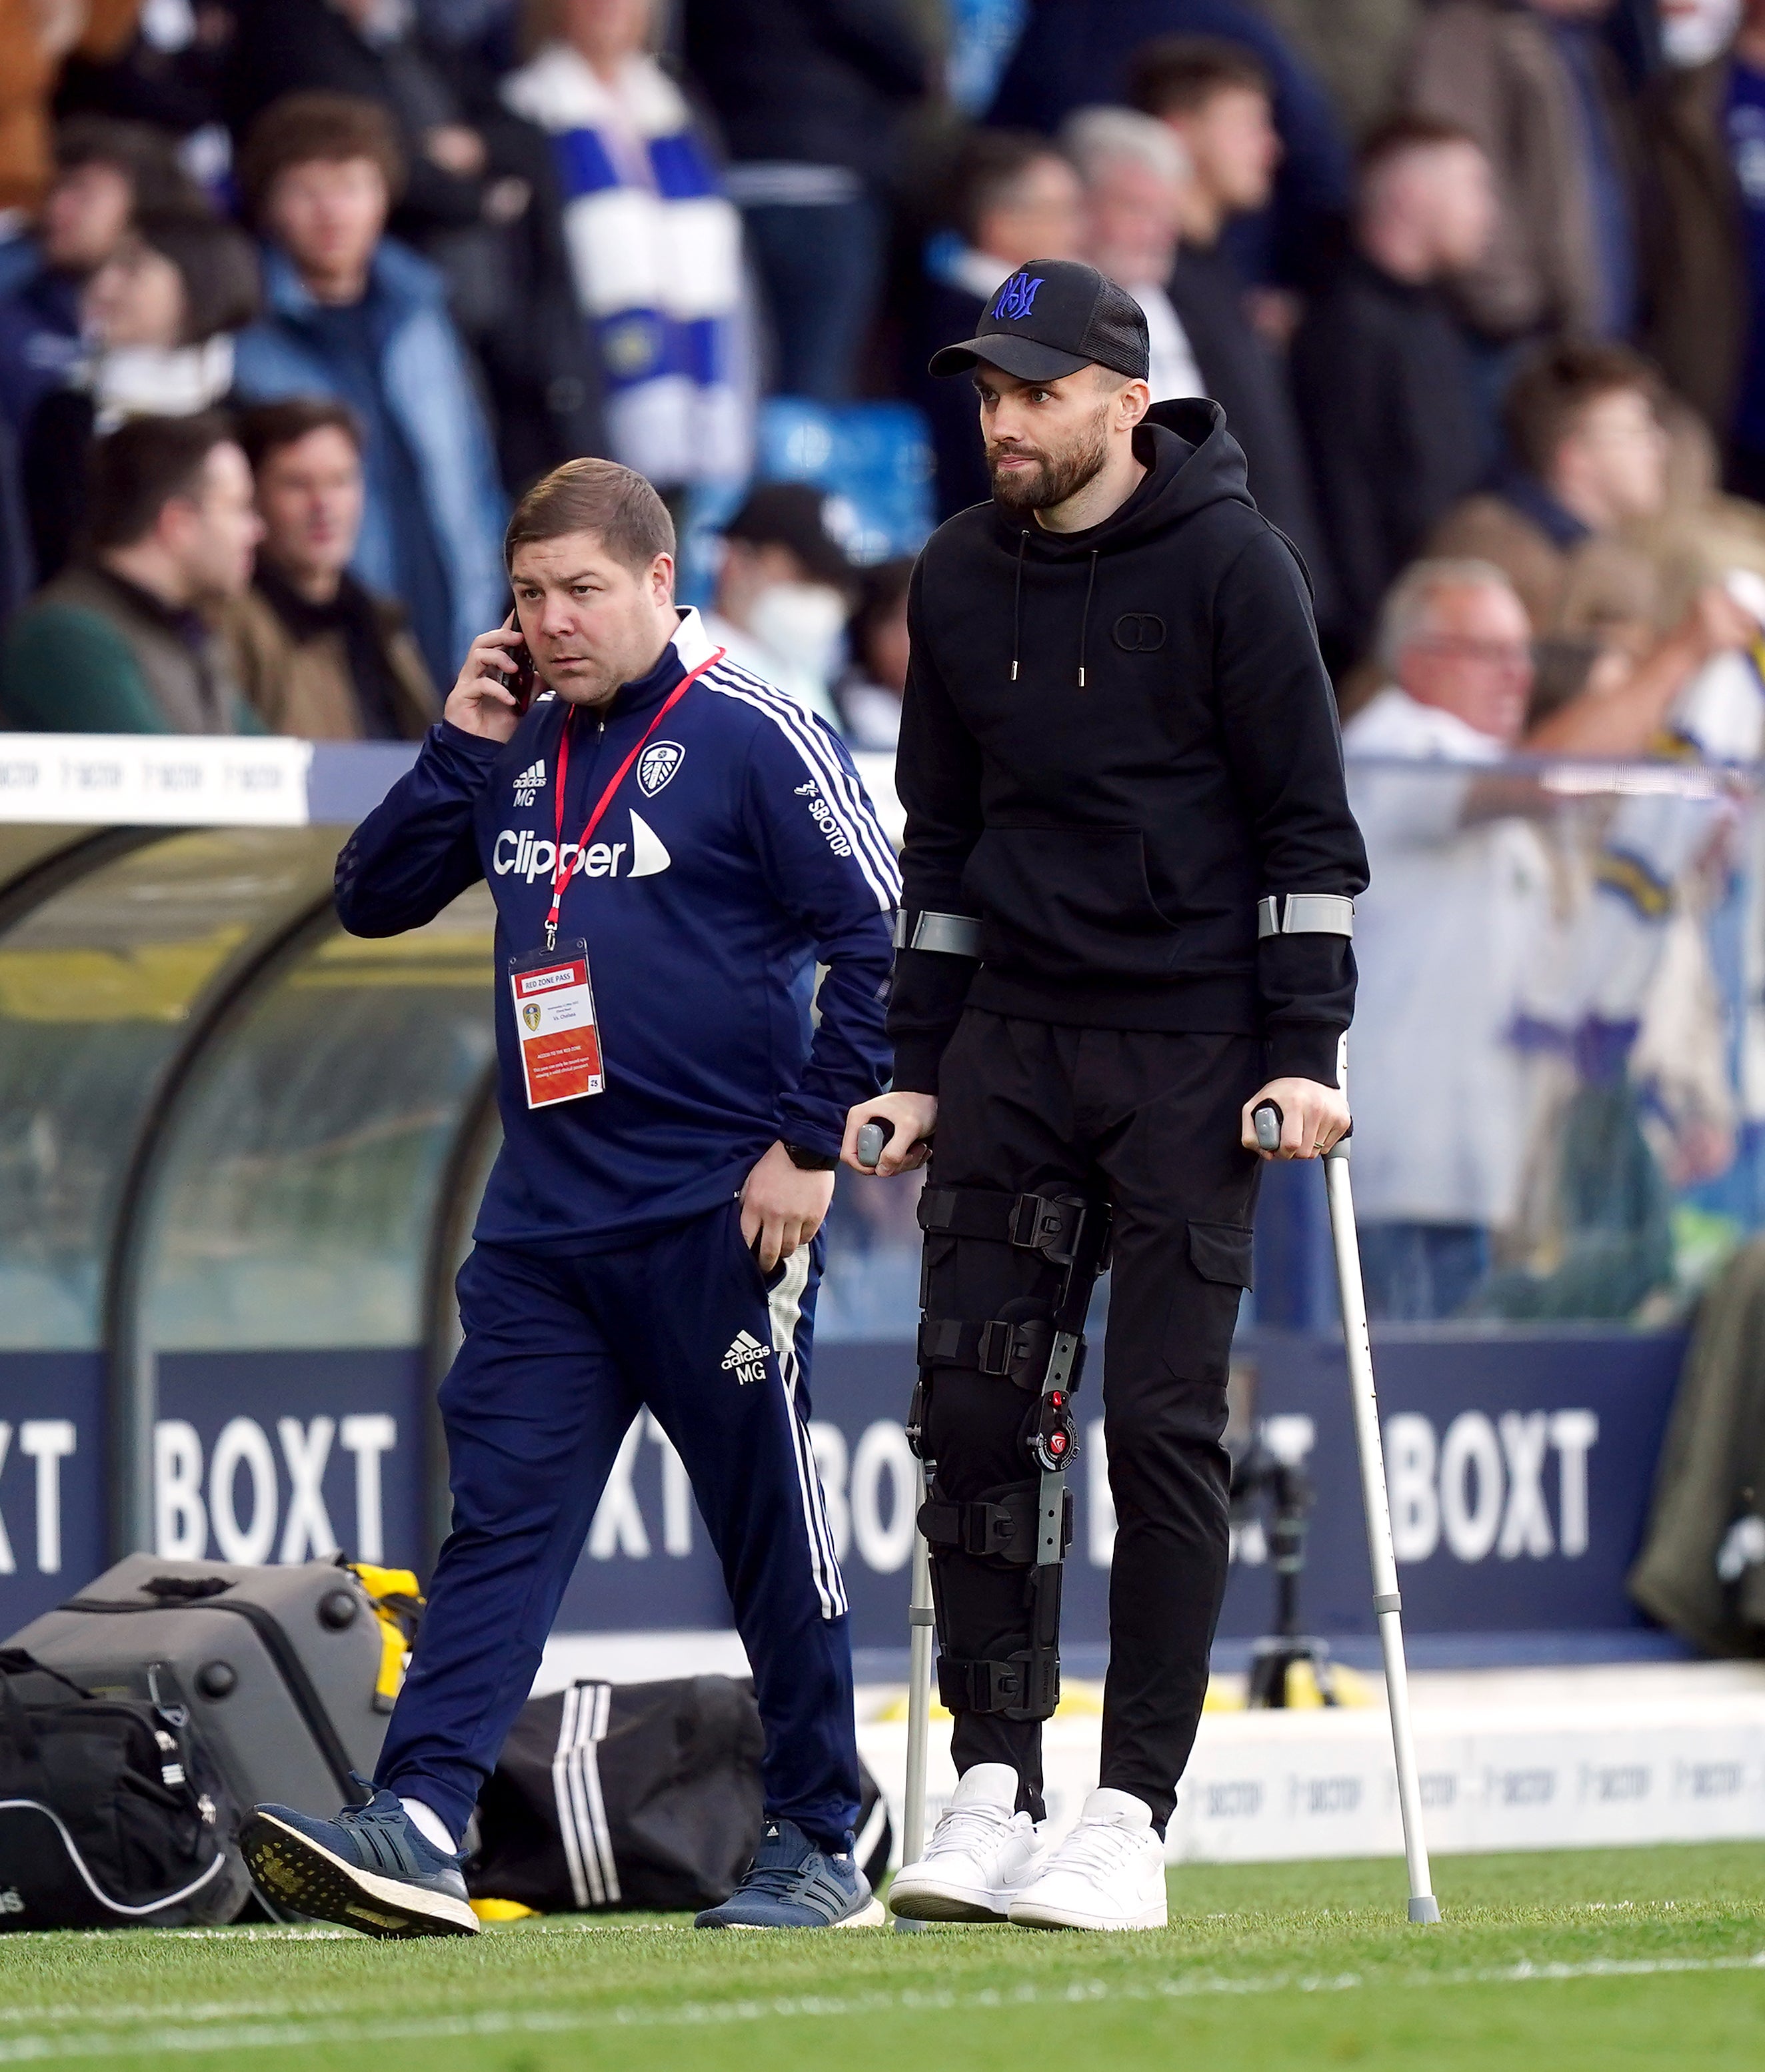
pixel 740 851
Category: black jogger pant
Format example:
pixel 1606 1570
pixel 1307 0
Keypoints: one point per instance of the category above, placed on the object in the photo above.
pixel 1150 1121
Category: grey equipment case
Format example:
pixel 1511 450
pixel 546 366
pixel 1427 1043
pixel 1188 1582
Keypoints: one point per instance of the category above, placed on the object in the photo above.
pixel 278 1666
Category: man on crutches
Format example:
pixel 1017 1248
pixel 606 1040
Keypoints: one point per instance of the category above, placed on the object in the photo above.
pixel 1129 872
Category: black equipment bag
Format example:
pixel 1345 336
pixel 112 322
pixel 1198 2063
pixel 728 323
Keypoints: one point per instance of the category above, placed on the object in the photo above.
pixel 281 1667
pixel 111 1814
pixel 634 1796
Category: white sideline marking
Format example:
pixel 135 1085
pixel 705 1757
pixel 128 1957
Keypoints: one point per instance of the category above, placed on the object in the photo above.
pixel 310 2034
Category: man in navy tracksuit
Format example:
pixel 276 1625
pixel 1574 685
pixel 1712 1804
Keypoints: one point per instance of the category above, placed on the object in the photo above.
pixel 672 846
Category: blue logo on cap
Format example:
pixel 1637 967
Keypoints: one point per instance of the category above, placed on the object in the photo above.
pixel 1016 298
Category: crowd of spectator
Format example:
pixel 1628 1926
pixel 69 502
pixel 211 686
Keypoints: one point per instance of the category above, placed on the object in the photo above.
pixel 1472 279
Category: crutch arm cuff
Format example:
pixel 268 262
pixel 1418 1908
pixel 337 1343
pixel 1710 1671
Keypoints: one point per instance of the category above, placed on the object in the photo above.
pixel 945 934
pixel 1305 914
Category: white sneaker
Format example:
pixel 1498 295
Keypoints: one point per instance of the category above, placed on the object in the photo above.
pixel 980 1855
pixel 1109 1872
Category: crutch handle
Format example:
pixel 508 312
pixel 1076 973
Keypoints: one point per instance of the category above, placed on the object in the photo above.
pixel 1266 1119
pixel 873 1139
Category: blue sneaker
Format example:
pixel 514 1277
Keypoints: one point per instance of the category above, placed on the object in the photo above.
pixel 371 1868
pixel 793 1883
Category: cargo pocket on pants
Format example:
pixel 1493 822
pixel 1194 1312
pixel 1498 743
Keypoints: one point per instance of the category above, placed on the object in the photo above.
pixel 1204 1300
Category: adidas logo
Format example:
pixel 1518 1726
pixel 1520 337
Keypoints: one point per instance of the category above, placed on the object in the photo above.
pixel 746 1358
pixel 529 781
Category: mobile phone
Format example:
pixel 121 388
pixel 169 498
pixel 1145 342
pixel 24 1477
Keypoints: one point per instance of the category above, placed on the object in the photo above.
pixel 522 684
pixel 524 679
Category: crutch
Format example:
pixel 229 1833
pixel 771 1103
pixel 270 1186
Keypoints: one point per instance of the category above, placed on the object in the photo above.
pixel 919 1702
pixel 872 1138
pixel 1387 1602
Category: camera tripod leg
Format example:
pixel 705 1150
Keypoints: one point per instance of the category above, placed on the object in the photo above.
pixel 1424 1908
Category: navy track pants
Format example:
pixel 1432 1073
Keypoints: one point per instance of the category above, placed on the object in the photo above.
pixel 560 1355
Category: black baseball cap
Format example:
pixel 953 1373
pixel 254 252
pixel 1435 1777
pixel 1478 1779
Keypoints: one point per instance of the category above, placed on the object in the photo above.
pixel 1051 317
pixel 794 515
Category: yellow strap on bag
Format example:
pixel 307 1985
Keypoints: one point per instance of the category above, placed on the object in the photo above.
pixel 398 1605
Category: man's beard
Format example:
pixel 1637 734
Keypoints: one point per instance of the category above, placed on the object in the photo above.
pixel 1056 477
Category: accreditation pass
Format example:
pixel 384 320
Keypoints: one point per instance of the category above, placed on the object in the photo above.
pixel 555 1024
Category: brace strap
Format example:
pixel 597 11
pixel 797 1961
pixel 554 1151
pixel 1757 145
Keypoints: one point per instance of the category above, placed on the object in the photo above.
pixel 1004 1528
pixel 1026 1686
pixel 1014 1350
pixel 1033 1223
pixel 1305 914
pixel 953 934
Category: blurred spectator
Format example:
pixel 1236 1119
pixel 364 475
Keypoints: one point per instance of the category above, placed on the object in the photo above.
pixel 105 171
pixel 1698 117
pixel 1538 86
pixel 367 49
pixel 316 654
pixel 1216 97
pixel 1134 172
pixel 481 200
pixel 783 593
pixel 119 643
pixel 1383 377
pixel 352 313
pixel 34 39
pixel 654 247
pixel 159 316
pixel 809 94
pixel 1588 464
pixel 168 73
pixel 868 693
pixel 1447 938
pixel 1356 48
pixel 1011 199
pixel 18 569
pixel 1078 53
pixel 1586 455
pixel 1745 124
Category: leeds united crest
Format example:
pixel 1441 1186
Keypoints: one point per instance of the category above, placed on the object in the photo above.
pixel 658 764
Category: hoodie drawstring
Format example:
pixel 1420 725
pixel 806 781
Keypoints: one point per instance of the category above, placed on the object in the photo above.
pixel 1016 603
pixel 1084 619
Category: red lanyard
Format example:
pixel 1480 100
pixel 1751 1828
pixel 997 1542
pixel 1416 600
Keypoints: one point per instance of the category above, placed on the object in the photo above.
pixel 562 874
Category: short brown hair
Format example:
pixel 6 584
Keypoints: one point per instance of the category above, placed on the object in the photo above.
pixel 1398 134
pixel 145 156
pixel 596 496
pixel 1556 385
pixel 217 264
pixel 1177 75
pixel 987 168
pixel 141 467
pixel 270 427
pixel 303 128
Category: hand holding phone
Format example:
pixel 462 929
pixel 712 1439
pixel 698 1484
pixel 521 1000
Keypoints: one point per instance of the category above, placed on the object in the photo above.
pixel 495 685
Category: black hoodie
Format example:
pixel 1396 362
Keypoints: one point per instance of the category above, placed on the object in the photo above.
pixel 1114 743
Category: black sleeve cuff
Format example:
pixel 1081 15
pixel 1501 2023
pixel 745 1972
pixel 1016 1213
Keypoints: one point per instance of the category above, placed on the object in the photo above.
pixel 916 1062
pixel 1304 1050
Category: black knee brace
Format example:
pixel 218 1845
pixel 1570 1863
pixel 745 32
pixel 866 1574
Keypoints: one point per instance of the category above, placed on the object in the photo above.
pixel 1036 1343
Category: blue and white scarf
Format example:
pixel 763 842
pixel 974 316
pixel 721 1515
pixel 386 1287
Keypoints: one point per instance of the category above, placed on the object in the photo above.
pixel 656 249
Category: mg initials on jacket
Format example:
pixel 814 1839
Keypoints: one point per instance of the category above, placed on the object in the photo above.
pixel 518 852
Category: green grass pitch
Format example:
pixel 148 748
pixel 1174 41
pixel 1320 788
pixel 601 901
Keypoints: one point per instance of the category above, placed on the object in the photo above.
pixel 1603 1960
